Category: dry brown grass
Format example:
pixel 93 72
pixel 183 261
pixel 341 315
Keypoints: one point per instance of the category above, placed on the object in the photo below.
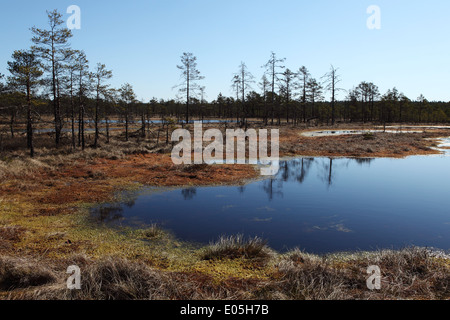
pixel 378 144
pixel 411 273
pixel 118 279
pixel 16 273
pixel 314 280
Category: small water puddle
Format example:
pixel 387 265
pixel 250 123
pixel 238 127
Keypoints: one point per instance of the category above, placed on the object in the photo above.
pixel 328 133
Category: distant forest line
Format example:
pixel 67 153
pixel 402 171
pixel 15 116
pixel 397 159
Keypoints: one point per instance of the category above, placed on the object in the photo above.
pixel 51 80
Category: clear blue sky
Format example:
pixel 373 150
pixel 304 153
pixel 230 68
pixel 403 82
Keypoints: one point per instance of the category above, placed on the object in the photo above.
pixel 142 41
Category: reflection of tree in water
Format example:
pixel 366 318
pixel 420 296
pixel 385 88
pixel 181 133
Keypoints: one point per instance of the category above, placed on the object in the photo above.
pixel 296 170
pixel 114 212
pixel 189 193
pixel 363 161
pixel 241 189
pixel 285 170
pixel 305 166
pixel 129 198
pixel 108 214
pixel 272 189
pixel 328 168
pixel 326 171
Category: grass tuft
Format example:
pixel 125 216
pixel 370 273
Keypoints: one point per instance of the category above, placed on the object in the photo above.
pixel 153 232
pixel 233 247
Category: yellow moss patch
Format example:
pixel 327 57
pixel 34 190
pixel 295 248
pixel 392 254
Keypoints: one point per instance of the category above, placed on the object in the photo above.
pixel 222 270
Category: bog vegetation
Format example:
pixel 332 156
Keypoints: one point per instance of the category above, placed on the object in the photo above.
pixel 53 86
pixel 54 104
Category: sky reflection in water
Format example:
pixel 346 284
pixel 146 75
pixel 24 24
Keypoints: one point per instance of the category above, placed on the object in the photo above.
pixel 317 204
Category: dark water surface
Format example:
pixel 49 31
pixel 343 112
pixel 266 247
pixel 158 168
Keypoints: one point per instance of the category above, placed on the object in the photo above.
pixel 317 204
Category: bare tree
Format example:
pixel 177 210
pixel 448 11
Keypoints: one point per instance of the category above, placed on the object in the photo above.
pixel 244 78
pixel 84 85
pixel 189 76
pixel 331 81
pixel 127 97
pixel 71 68
pixel 286 88
pixel 272 66
pixel 236 87
pixel 264 85
pixel 100 75
pixel 314 94
pixel 51 45
pixel 304 76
